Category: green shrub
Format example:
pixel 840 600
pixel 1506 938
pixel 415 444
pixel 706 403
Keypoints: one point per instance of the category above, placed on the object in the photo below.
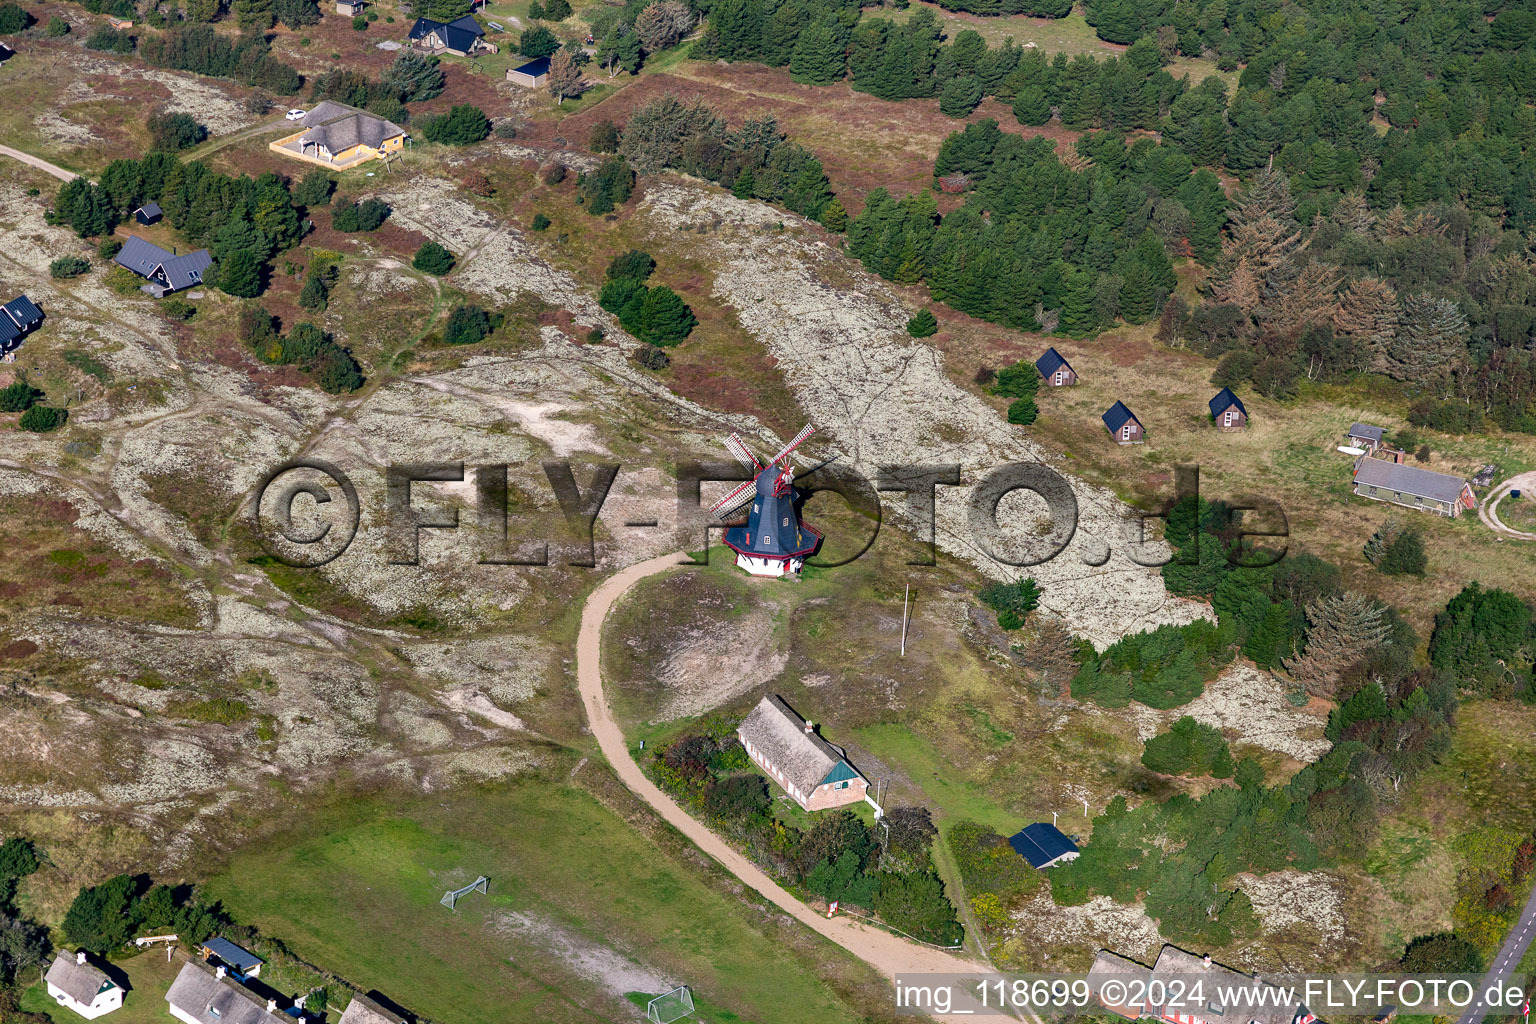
pixel 1189 748
pixel 608 187
pixel 460 126
pixel 923 324
pixel 18 397
pixel 41 419
pixel 68 266
pixel 57 27
pixel 635 265
pixel 540 222
pixel 1012 601
pixel 13 19
pixel 1021 380
pixel 364 216
pixel 178 309
pixel 359 23
pixel 432 258
pixel 109 248
pixel 466 325
pixel 1023 411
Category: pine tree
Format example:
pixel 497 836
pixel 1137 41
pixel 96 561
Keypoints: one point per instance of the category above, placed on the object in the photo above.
pixel 240 274
pixel 253 14
pixel 659 25
pixel 665 318
pixel 314 294
pixel 1341 629
pixel 1137 294
pixel 1405 555
pixel 1368 316
pixel 960 96
pixel 745 185
pixel 620 50
pixel 818 55
pixel 1382 539
pixel 1430 345
pixel 1031 106
pixel 557 10
pixel 564 77
pixel 1310 298
pixel 1077 315
pixel 834 217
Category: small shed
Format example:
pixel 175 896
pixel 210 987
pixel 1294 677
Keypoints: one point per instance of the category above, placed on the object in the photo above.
pixel 351 8
pixel 1123 425
pixel 121 24
pixel 531 75
pixel 5 53
pixel 1227 411
pixel 147 214
pixel 1363 435
pixel 1055 369
pixel 239 960
pixel 1043 845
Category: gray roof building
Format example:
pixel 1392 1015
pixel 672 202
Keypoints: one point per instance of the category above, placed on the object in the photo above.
pixel 77 979
pixel 1366 432
pixel 1409 480
pixel 1109 966
pixel 362 1010
pixel 1260 1008
pixel 205 995
pixel 791 744
pixel 168 271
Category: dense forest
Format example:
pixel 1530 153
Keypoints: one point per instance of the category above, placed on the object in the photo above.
pixel 1360 201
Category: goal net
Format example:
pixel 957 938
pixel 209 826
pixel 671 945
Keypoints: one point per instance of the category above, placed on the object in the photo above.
pixel 670 1006
pixel 451 898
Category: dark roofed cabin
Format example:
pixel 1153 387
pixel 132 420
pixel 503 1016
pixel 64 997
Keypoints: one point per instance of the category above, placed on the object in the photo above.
pixel 1055 369
pixel 532 74
pixel 1227 411
pixel 1043 845
pixel 17 317
pixel 1123 425
pixel 166 272
pixel 148 214
pixel 460 37
pixel 1363 435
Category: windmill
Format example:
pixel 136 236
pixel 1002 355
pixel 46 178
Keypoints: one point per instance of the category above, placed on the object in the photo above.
pixel 773 541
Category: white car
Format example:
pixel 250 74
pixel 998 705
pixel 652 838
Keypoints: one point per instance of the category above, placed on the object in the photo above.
pixel 296 115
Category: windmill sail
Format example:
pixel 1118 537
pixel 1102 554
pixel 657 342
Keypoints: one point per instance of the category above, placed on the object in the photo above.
pixel 736 499
pixel 737 447
pixel 799 439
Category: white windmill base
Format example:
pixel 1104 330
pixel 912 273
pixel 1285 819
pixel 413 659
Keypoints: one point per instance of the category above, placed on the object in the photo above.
pixel 769 566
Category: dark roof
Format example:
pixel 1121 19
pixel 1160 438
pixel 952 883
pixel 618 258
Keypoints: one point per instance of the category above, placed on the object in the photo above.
pixel 198 992
pixel 144 258
pixel 773 529
pixel 459 34
pixel 360 129
pixel 535 68
pixel 1367 431
pixel 24 311
pixel 325 112
pixel 9 332
pixel 805 758
pixel 1051 362
pixel 1422 483
pixel 1116 416
pixel 81 982
pixel 140 256
pixel 1225 399
pixel 238 957
pixel 1041 844
pixel 149 210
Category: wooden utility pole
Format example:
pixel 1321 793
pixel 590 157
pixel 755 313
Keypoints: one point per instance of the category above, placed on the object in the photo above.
pixel 906 599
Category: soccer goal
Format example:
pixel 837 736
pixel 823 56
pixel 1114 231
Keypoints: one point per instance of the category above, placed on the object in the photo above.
pixel 670 1006
pixel 451 897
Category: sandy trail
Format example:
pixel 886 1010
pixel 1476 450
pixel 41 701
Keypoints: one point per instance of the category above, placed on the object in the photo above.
pixel 39 163
pixel 887 953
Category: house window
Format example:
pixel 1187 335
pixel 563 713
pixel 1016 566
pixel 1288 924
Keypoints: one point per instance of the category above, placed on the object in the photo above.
pixel 843 784
pixel 1227 418
pixel 1060 377
pixel 1125 432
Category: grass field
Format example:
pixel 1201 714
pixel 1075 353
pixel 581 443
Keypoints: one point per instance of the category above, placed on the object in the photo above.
pixel 582 904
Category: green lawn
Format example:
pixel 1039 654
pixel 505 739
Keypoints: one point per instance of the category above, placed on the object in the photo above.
pixel 361 897
pixel 149 976
pixel 941 782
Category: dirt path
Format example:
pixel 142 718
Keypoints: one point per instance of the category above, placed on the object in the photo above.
pixel 1488 511
pixel 887 953
pixel 39 163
